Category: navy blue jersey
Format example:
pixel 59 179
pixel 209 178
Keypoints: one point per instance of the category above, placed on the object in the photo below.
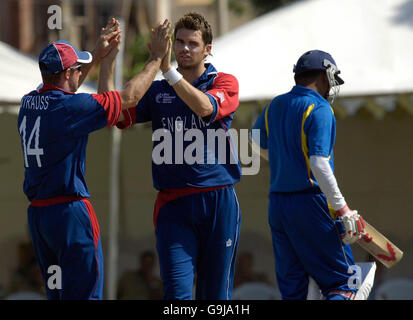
pixel 293 127
pixel 54 125
pixel 169 114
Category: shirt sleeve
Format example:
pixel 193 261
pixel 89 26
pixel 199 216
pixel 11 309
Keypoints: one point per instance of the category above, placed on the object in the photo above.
pixel 112 103
pixel 223 96
pixel 91 112
pixel 324 175
pixel 261 125
pixel 320 130
pixel 138 114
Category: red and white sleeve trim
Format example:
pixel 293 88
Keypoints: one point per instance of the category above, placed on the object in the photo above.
pixel 129 118
pixel 112 104
pixel 224 91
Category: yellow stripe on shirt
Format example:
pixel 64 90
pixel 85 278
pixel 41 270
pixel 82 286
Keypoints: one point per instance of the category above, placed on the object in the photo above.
pixel 332 212
pixel 304 145
pixel 266 120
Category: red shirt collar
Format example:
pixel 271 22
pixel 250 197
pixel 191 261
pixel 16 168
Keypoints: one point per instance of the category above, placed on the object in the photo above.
pixel 48 87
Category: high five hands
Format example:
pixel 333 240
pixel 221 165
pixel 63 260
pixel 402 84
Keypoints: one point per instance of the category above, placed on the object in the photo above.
pixel 161 41
pixel 110 37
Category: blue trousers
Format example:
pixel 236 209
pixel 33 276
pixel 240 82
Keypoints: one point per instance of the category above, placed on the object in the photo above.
pixel 66 235
pixel 198 234
pixel 307 243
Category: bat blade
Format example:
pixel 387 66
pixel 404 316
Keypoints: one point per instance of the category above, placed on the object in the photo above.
pixel 380 247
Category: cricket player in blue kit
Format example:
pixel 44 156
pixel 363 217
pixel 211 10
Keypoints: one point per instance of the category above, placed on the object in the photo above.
pixel 54 124
pixel 298 131
pixel 197 216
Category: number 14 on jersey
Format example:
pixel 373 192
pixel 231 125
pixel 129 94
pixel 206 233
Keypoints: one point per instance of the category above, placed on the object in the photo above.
pixel 27 149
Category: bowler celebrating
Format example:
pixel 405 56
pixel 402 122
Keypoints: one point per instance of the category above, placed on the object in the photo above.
pixel 197 216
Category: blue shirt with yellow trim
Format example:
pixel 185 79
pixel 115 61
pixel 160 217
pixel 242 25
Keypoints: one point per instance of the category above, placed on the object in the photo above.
pixel 293 127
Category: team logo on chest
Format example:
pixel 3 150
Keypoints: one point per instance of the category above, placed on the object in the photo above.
pixel 164 98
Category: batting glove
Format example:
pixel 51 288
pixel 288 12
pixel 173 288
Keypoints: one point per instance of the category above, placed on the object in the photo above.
pixel 353 224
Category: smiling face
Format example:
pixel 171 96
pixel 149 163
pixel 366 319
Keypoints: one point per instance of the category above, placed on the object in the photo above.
pixel 190 49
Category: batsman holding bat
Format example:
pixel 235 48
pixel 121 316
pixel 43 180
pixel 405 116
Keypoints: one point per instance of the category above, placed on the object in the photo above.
pixel 298 129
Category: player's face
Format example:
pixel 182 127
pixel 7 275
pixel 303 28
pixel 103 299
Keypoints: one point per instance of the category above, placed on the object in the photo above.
pixel 325 85
pixel 75 73
pixel 189 48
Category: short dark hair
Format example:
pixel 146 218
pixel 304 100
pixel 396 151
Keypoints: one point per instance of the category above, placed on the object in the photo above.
pixel 306 77
pixel 49 78
pixel 195 21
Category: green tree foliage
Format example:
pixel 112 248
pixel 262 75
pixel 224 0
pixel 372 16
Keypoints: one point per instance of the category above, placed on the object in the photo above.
pixel 137 55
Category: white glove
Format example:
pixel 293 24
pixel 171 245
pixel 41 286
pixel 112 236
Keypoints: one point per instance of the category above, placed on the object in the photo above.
pixel 353 224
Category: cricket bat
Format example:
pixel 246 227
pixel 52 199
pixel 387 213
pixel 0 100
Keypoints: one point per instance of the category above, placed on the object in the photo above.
pixel 380 247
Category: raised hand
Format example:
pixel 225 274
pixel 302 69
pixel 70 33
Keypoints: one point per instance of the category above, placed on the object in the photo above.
pixel 103 46
pixel 110 32
pixel 158 47
pixel 166 61
pixel 113 48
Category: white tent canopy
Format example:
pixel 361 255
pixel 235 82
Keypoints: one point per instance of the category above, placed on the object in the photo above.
pixel 20 74
pixel 370 41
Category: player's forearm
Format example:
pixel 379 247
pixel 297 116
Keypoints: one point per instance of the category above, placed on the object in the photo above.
pixel 195 99
pixel 88 66
pixel 139 84
pixel 106 80
pixel 263 153
pixel 328 184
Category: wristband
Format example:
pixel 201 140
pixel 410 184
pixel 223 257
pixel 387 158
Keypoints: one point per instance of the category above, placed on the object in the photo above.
pixel 172 76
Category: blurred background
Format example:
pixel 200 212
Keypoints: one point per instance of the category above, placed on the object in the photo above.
pixel 258 41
